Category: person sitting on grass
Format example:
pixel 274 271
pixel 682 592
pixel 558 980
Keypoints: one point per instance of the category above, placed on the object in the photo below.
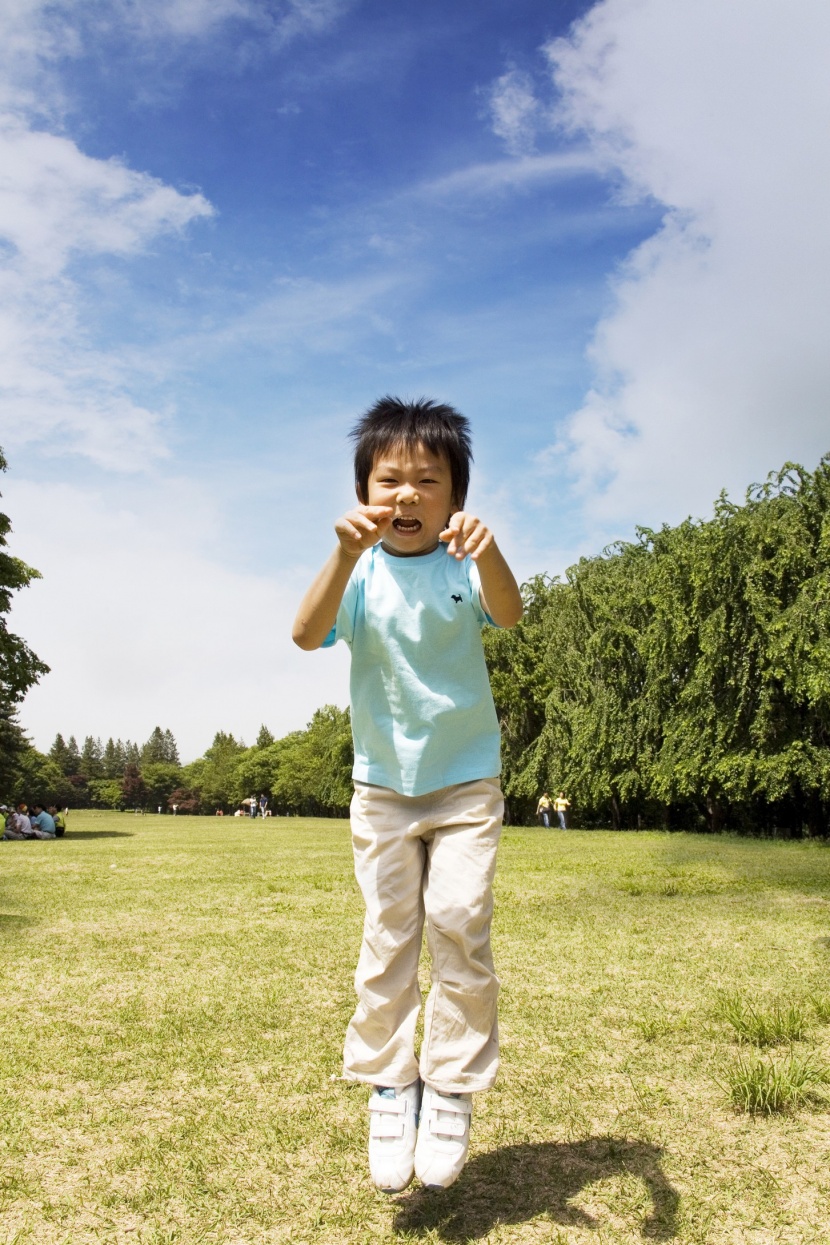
pixel 43 823
pixel 59 819
pixel 412 581
pixel 19 825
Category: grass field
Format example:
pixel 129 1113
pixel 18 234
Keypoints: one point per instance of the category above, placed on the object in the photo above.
pixel 174 997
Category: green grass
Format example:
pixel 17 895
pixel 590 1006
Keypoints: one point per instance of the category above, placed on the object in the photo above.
pixel 780 1022
pixel 768 1085
pixel 175 993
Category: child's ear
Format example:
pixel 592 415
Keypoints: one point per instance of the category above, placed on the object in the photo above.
pixel 359 493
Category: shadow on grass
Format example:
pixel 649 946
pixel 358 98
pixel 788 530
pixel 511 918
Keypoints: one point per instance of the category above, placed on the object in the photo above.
pixel 99 834
pixel 15 920
pixel 518 1183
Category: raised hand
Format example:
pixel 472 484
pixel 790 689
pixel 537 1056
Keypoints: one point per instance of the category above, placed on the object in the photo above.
pixel 359 529
pixel 465 535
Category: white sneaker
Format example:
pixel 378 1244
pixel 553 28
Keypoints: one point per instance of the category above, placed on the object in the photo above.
pixel 393 1127
pixel 443 1138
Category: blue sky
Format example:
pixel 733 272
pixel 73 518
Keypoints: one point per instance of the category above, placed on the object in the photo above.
pixel 226 226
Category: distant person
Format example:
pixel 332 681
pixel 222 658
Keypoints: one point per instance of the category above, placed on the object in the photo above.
pixel 411 583
pixel 159 810
pixel 175 809
pixel 252 805
pixel 43 821
pixel 219 812
pixel 561 805
pixel 263 805
pixel 18 824
pixel 544 809
pixel 59 819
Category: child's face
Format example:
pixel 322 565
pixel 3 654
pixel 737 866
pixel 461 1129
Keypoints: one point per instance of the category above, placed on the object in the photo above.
pixel 417 484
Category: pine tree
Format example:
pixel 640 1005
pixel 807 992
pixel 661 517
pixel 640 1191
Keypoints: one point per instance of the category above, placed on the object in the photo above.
pixel 132 755
pixel 92 760
pixel 59 753
pixel 73 757
pixel 155 749
pixel 171 749
pixel 113 759
pixel 264 739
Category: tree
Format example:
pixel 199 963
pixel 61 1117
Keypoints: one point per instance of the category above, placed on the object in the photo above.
pixel 160 779
pixel 20 668
pixel 72 763
pixel 60 753
pixel 171 751
pixel 214 775
pixel 92 758
pixel 133 791
pixel 312 768
pixel 39 778
pixel 521 684
pixel 264 739
pixel 113 759
pixel 107 793
pixel 160 748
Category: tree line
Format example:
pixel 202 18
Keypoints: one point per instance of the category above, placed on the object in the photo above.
pixel 307 772
pixel 681 680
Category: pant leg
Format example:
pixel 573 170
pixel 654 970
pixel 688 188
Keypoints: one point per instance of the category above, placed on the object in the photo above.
pixel 389 860
pixel 460 1049
pixel 562 821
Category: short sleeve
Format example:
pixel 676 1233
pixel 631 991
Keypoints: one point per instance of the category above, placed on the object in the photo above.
pixel 474 580
pixel 343 628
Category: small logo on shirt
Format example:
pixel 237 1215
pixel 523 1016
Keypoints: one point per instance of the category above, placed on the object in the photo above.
pixel 457 599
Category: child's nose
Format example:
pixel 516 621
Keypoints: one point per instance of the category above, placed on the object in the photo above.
pixel 408 496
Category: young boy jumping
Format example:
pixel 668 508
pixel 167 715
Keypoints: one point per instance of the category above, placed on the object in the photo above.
pixel 411 582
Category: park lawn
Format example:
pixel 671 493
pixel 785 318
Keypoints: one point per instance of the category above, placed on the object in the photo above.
pixel 175 993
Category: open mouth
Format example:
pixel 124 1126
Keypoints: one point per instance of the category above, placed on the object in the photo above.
pixel 406 523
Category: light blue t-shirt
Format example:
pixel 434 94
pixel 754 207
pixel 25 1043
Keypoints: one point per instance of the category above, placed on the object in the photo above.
pixel 422 710
pixel 45 822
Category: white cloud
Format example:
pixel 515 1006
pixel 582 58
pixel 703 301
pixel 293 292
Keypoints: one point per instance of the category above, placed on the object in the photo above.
pixel 712 367
pixel 500 175
pixel 56 202
pixel 515 111
pixel 143 625
pixel 58 205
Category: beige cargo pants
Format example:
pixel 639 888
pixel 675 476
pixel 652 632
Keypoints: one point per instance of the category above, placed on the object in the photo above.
pixel 427 856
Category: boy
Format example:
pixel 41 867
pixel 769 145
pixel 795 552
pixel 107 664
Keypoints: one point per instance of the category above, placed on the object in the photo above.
pixel 411 582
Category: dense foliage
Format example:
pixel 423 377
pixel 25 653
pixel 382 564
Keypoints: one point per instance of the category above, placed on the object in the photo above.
pixel 684 678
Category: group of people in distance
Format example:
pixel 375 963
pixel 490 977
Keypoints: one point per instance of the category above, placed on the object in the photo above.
pixel 547 806
pixel 39 822
pixel 251 808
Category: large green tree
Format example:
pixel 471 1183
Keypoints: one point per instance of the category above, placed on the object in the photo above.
pixel 690 670
pixel 20 668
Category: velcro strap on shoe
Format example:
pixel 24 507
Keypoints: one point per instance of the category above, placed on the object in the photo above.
pixel 448 1117
pixel 452 1127
pixel 458 1106
pixel 385 1127
pixel 387 1106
